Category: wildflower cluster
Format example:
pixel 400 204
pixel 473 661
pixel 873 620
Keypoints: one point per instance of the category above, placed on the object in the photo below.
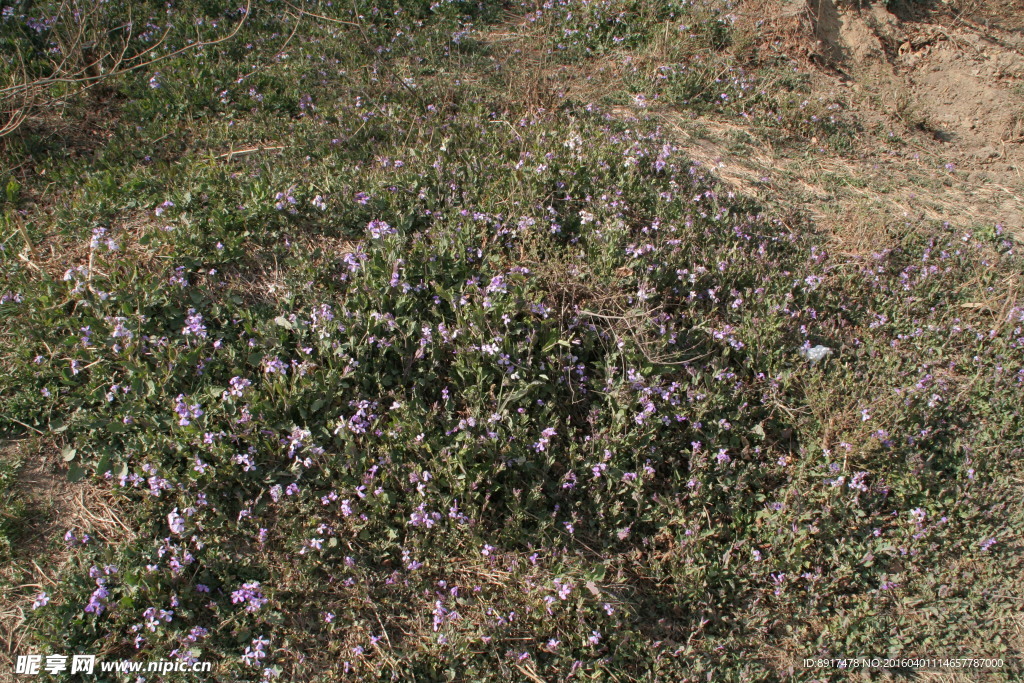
pixel 449 383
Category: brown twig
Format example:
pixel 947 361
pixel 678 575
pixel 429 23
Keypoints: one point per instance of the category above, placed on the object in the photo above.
pixel 28 95
pixel 233 153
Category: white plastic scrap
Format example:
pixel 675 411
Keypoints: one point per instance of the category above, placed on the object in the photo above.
pixel 815 353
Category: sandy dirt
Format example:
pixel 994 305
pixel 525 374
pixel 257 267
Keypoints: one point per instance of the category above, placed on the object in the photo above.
pixel 953 79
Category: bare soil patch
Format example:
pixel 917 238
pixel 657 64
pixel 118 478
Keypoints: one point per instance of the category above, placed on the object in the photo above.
pixel 953 87
pixel 938 94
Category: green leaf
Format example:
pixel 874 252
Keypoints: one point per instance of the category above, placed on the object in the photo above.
pixel 76 472
pixel 12 190
pixel 68 454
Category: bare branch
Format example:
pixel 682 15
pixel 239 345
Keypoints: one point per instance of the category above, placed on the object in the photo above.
pixel 19 100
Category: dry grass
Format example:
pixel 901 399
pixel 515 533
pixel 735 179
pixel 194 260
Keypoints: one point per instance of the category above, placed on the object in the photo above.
pixel 857 201
pixel 54 506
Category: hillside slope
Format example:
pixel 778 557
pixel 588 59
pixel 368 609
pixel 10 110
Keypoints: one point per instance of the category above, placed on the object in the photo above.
pixel 487 342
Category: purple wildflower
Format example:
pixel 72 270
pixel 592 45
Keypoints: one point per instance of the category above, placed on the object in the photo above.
pixel 545 439
pixel 176 522
pixel 185 411
pixel 379 229
pixel 98 600
pixel 251 594
pixel 272 365
pixel 194 325
pixel 237 386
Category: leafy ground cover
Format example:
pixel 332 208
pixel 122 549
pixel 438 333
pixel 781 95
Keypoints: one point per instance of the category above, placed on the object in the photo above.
pixel 401 359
